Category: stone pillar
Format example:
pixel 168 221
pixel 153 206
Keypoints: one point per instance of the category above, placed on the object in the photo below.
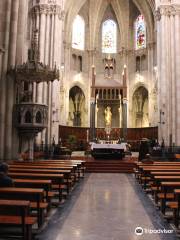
pixel 120 112
pixel 1 106
pixel 10 79
pixel 177 78
pixel 4 32
pixel 31 148
pixel 40 89
pixel 96 116
pixel 124 118
pixel 92 119
pixel 21 33
pixel 41 49
pixel 168 49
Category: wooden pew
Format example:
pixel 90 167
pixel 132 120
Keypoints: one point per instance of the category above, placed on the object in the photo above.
pixel 145 175
pixel 71 168
pixel 36 183
pixel 165 179
pixel 167 193
pixel 161 196
pixel 79 163
pixel 55 178
pixel 139 166
pixel 35 196
pixel 175 206
pixel 17 213
pixel 61 166
pixel 66 173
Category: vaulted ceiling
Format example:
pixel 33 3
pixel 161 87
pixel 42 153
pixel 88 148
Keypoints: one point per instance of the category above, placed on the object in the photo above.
pixel 70 3
pixel 120 7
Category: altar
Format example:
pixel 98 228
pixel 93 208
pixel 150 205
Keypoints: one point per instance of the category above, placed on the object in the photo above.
pixel 108 151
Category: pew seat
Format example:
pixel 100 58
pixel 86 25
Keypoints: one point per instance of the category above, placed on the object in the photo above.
pixel 17 213
pixel 173 205
pixel 167 195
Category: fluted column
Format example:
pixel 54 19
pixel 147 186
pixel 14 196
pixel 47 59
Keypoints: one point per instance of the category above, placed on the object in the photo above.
pixel 168 70
pixel 10 79
pixel 5 31
pixel 177 72
pixel 173 83
pixel 21 33
pixel 41 50
pixel 124 118
pixel 92 119
pixel 49 18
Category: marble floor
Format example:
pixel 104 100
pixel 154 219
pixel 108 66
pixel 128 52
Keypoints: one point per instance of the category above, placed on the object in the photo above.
pixel 106 207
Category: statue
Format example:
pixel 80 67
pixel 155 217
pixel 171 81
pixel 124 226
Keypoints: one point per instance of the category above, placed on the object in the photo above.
pixel 108 116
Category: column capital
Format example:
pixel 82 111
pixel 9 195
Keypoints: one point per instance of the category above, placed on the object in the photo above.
pixel 48 9
pixel 167 10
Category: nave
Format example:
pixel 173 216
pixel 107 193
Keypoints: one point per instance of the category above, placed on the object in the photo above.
pixel 106 207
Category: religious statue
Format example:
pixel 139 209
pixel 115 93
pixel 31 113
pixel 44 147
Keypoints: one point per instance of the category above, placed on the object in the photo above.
pixel 108 116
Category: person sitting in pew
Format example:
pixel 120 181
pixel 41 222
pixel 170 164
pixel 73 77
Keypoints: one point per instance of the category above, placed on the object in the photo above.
pixel 5 181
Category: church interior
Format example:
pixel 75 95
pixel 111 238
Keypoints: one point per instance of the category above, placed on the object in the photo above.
pixel 89 129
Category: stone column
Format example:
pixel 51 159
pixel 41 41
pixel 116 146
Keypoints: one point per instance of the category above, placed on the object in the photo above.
pixel 41 48
pixel 96 116
pixel 124 118
pixel 57 10
pixel 152 81
pixel 92 119
pixel 173 83
pixel 177 75
pixel 1 109
pixel 50 87
pixel 120 112
pixel 31 148
pixel 10 79
pixel 21 33
pixel 42 34
pixel 168 50
pixel 5 31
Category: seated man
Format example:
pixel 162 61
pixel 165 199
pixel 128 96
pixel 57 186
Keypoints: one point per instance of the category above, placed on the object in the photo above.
pixel 5 181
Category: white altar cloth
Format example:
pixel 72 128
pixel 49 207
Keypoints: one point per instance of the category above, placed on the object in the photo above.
pixel 108 146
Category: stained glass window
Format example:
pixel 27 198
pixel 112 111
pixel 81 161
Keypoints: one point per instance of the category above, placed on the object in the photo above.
pixel 140 32
pixel 78 33
pixel 109 36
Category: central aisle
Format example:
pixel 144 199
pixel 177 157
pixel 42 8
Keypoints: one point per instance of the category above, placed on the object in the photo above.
pixel 105 207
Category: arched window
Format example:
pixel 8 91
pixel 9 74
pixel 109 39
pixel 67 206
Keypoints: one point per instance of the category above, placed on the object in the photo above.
pixel 109 36
pixel 78 33
pixel 140 32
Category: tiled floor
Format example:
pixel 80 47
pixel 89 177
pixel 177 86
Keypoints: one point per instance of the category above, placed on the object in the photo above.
pixel 105 207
